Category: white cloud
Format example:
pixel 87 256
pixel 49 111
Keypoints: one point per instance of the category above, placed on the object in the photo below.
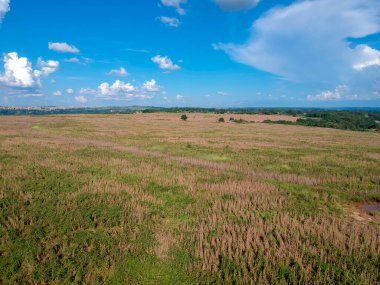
pixel 72 59
pixel 367 57
pixel 119 72
pixel 69 91
pixel 87 91
pixel 221 93
pixel 63 47
pixel 118 88
pixel 236 5
pixel 57 93
pixel 18 71
pixel 137 50
pixel 82 60
pixel 86 60
pixel 4 8
pixel 81 99
pixel 307 40
pixel 151 86
pixel 179 97
pixel 171 22
pixel 176 4
pixel 143 96
pixel 46 67
pixel 165 63
pixel 337 94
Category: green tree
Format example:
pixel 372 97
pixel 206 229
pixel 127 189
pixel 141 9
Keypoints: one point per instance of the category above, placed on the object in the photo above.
pixel 184 117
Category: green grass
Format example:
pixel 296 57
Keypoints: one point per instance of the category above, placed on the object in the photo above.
pixel 72 213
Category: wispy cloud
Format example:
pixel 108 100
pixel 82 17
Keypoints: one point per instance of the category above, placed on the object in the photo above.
pixel 165 63
pixel 4 8
pixel 176 4
pixel 222 93
pixel 171 22
pixel 81 99
pixel 119 72
pixel 137 50
pixel 63 47
pixel 82 60
pixel 236 5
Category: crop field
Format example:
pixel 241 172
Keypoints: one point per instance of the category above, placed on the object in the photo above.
pixel 152 199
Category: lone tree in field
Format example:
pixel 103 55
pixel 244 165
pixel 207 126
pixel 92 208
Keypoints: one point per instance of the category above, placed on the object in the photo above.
pixel 184 117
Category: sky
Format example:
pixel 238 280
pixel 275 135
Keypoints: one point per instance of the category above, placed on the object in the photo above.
pixel 196 53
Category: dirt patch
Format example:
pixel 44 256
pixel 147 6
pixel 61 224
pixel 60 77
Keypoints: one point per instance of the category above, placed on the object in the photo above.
pixel 369 211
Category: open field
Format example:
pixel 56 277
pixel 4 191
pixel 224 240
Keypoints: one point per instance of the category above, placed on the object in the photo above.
pixel 151 199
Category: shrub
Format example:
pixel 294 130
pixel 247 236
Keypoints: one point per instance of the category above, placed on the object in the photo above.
pixel 184 117
pixel 240 121
pixel 221 120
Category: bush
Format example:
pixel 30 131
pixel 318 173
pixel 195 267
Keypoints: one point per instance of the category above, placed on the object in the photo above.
pixel 240 121
pixel 221 120
pixel 184 117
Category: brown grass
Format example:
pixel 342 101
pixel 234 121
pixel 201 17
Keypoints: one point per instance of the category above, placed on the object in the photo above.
pixel 244 203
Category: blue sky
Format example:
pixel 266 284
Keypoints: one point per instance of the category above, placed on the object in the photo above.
pixel 208 53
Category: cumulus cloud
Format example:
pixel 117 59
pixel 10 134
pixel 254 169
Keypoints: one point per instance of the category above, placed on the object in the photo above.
pixel 121 91
pixel 18 71
pixel 171 22
pixel 81 99
pixel 46 67
pixel 151 86
pixel 179 97
pixel 307 40
pixel 165 63
pixel 63 47
pixel 116 89
pixel 367 57
pixel 118 72
pixel 69 91
pixel 176 4
pixel 336 94
pixel 4 8
pixel 236 5
pixel 57 93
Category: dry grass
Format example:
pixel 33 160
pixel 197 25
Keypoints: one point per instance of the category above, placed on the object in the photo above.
pixel 149 199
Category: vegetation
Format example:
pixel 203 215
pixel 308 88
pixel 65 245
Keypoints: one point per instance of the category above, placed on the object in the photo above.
pixel 240 121
pixel 133 199
pixel 350 119
pixel 355 121
pixel 184 117
pixel 221 120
